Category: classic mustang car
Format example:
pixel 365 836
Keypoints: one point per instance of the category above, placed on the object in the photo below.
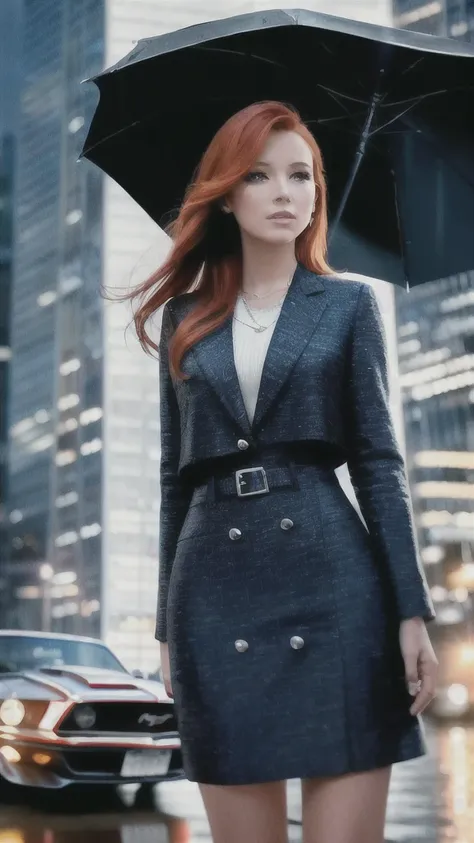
pixel 71 713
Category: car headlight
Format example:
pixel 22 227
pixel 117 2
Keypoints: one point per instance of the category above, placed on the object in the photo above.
pixel 85 717
pixel 12 712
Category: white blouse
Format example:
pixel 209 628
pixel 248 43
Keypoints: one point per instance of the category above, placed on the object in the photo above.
pixel 250 349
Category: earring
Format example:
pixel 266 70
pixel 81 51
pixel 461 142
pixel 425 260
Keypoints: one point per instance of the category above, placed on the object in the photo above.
pixel 226 209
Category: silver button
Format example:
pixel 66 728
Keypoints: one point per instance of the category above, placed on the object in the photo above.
pixel 297 642
pixel 242 444
pixel 286 524
pixel 241 645
pixel 235 534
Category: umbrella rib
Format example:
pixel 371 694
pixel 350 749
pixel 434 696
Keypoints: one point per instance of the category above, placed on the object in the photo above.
pixel 109 137
pixel 242 54
pixel 339 94
pixel 322 120
pixel 334 97
pixel 421 97
pixel 393 120
pixel 413 102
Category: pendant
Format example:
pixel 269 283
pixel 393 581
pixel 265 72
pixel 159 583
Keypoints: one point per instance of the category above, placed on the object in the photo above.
pixel 260 329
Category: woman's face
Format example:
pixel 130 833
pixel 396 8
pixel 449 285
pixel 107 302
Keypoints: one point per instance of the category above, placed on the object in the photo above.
pixel 274 202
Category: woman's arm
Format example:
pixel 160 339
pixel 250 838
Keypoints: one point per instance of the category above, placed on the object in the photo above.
pixel 376 465
pixel 175 498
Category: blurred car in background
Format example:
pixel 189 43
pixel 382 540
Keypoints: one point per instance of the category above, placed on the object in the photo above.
pixel 70 712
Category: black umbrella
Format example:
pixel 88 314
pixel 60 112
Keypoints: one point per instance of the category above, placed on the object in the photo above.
pixel 392 110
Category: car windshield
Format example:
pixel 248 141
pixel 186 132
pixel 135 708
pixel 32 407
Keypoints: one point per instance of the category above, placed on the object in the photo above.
pixel 30 652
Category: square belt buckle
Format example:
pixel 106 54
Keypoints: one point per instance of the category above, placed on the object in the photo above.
pixel 257 484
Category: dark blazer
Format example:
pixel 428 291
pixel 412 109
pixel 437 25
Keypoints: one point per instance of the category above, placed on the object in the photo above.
pixel 324 380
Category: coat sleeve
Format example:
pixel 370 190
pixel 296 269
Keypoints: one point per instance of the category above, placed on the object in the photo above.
pixel 376 465
pixel 175 497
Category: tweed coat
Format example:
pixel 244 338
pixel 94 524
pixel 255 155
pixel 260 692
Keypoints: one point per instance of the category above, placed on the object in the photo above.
pixel 336 592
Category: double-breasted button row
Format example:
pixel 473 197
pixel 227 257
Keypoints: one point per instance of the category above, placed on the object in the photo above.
pixel 296 642
pixel 235 534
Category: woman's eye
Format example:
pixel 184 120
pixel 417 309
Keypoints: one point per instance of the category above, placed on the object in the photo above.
pixel 255 175
pixel 302 176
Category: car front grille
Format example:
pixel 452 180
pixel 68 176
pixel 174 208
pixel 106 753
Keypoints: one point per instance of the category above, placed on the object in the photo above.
pixel 122 718
pixel 107 762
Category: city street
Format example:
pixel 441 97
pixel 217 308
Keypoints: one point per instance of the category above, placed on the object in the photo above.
pixel 431 801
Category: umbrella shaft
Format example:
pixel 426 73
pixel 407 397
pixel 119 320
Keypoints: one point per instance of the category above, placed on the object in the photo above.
pixel 364 138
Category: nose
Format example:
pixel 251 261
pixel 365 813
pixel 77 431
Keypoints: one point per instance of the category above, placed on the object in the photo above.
pixel 282 190
pixel 282 197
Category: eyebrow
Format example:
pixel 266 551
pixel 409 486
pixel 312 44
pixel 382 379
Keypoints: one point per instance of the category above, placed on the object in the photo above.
pixel 294 164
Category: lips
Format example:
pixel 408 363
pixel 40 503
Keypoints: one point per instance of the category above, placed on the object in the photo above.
pixel 282 215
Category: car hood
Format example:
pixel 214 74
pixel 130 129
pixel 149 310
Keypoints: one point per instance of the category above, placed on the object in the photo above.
pixel 89 684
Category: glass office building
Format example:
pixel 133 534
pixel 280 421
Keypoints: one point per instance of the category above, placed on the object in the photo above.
pixel 436 362
pixel 454 18
pixel 10 33
pixel 56 326
pixel 7 146
pixel 436 358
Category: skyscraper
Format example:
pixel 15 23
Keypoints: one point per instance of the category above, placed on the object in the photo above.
pixel 10 27
pixel 6 197
pixel 454 18
pixel 436 361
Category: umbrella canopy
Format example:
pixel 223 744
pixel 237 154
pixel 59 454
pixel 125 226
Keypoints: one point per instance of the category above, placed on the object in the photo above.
pixel 393 112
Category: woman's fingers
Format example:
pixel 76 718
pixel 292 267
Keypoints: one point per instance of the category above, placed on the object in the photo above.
pixel 427 692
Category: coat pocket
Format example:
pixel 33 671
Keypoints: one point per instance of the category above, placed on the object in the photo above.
pixel 197 523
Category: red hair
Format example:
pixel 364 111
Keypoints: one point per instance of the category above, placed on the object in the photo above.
pixel 206 241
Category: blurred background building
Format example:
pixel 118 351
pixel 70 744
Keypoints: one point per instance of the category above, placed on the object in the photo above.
pixel 10 22
pixel 436 362
pixel 454 18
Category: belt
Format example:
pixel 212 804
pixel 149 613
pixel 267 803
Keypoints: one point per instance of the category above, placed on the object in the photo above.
pixel 246 483
pixel 250 482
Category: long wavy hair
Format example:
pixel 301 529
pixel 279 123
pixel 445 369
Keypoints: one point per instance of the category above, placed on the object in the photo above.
pixel 207 254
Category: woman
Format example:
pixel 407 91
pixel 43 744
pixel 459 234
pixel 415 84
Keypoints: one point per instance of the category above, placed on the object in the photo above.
pixel 292 631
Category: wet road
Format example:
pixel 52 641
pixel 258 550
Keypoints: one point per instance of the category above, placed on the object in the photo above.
pixel 431 801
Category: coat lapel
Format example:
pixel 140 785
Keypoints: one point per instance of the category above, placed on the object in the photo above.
pixel 300 313
pixel 215 355
pixel 302 309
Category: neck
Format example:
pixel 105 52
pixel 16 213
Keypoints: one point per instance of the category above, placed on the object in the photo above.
pixel 266 266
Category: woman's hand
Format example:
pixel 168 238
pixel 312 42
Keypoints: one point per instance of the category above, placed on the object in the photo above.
pixel 165 668
pixel 421 664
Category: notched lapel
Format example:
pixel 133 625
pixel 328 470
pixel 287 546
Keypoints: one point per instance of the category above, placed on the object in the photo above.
pixel 215 356
pixel 301 311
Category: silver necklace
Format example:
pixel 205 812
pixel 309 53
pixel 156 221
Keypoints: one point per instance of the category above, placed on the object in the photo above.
pixel 266 295
pixel 257 326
